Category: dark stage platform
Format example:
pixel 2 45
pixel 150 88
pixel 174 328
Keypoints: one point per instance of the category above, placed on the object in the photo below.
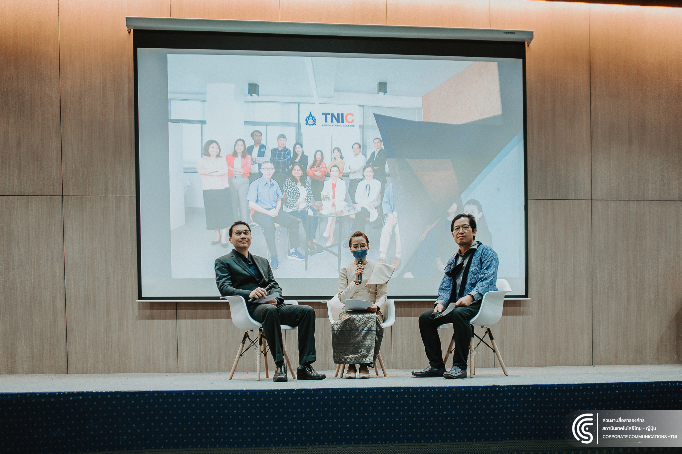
pixel 488 413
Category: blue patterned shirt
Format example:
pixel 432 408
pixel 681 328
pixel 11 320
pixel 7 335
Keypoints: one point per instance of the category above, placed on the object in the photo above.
pixel 280 159
pixel 481 279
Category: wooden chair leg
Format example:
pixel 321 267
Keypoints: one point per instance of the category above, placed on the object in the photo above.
pixel 497 352
pixel 472 358
pixel 447 354
pixel 260 345
pixel 343 369
pixel 383 368
pixel 376 369
pixel 286 358
pixel 265 355
pixel 338 368
pixel 239 354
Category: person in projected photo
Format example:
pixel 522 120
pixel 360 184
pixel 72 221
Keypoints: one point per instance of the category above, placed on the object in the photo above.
pixel 377 159
pixel 367 199
pixel 390 226
pixel 335 189
pixel 249 276
pixel 298 157
pixel 259 154
pixel 217 200
pixel 238 168
pixel 357 335
pixel 280 158
pixel 473 207
pixel 435 248
pixel 297 199
pixel 265 199
pixel 355 166
pixel 337 161
pixel 469 275
pixel 317 173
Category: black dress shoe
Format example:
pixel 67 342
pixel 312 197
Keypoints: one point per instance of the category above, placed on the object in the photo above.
pixel 429 372
pixel 455 372
pixel 280 374
pixel 308 373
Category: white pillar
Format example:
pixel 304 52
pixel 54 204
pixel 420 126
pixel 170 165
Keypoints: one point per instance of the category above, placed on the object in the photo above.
pixel 224 116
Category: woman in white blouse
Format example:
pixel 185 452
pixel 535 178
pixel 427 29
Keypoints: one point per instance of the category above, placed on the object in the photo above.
pixel 336 188
pixel 217 201
pixel 357 335
pixel 367 199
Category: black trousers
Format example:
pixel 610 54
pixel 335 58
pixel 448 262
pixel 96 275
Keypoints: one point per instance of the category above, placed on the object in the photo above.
pixel 352 187
pixel 268 223
pixel 459 317
pixel 273 317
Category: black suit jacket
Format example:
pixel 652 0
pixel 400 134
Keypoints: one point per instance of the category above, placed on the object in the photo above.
pixel 378 159
pixel 233 276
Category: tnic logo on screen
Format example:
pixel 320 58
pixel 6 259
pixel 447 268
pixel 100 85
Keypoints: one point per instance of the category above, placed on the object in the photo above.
pixel 340 119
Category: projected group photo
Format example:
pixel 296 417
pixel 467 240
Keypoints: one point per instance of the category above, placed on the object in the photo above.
pixel 308 149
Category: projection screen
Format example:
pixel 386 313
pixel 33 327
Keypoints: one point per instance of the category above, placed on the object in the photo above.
pixel 447 114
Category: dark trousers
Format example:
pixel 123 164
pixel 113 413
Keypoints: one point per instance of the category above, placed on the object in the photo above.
pixel 273 317
pixel 459 317
pixel 361 218
pixel 268 223
pixel 352 187
pixel 309 222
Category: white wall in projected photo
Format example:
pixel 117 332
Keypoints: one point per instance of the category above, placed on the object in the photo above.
pixel 451 131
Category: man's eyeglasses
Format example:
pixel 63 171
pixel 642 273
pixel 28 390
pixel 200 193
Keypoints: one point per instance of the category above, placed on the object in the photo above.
pixel 241 233
pixel 461 228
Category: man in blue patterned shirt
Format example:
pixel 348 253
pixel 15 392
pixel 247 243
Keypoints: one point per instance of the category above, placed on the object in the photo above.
pixel 469 275
pixel 281 158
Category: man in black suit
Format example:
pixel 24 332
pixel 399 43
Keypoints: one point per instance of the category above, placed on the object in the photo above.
pixel 377 159
pixel 249 276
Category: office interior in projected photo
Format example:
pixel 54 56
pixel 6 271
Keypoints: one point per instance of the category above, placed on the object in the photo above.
pixel 452 129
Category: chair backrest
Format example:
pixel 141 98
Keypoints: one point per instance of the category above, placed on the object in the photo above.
pixel 390 314
pixel 240 316
pixel 492 305
pixel 334 308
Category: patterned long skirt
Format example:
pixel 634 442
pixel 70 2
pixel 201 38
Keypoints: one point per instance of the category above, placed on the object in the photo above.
pixel 356 338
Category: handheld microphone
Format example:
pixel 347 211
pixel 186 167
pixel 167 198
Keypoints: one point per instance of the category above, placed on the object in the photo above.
pixel 360 278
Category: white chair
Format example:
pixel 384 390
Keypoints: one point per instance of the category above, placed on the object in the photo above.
pixel 334 309
pixel 242 320
pixel 489 314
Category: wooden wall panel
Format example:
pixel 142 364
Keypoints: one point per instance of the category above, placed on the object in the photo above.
pixel 637 282
pixel 334 11
pixel 554 328
pixel 97 95
pixel 32 315
pixel 108 331
pixel 558 94
pixel 438 13
pixel 30 153
pixel 636 97
pixel 208 340
pixel 263 10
